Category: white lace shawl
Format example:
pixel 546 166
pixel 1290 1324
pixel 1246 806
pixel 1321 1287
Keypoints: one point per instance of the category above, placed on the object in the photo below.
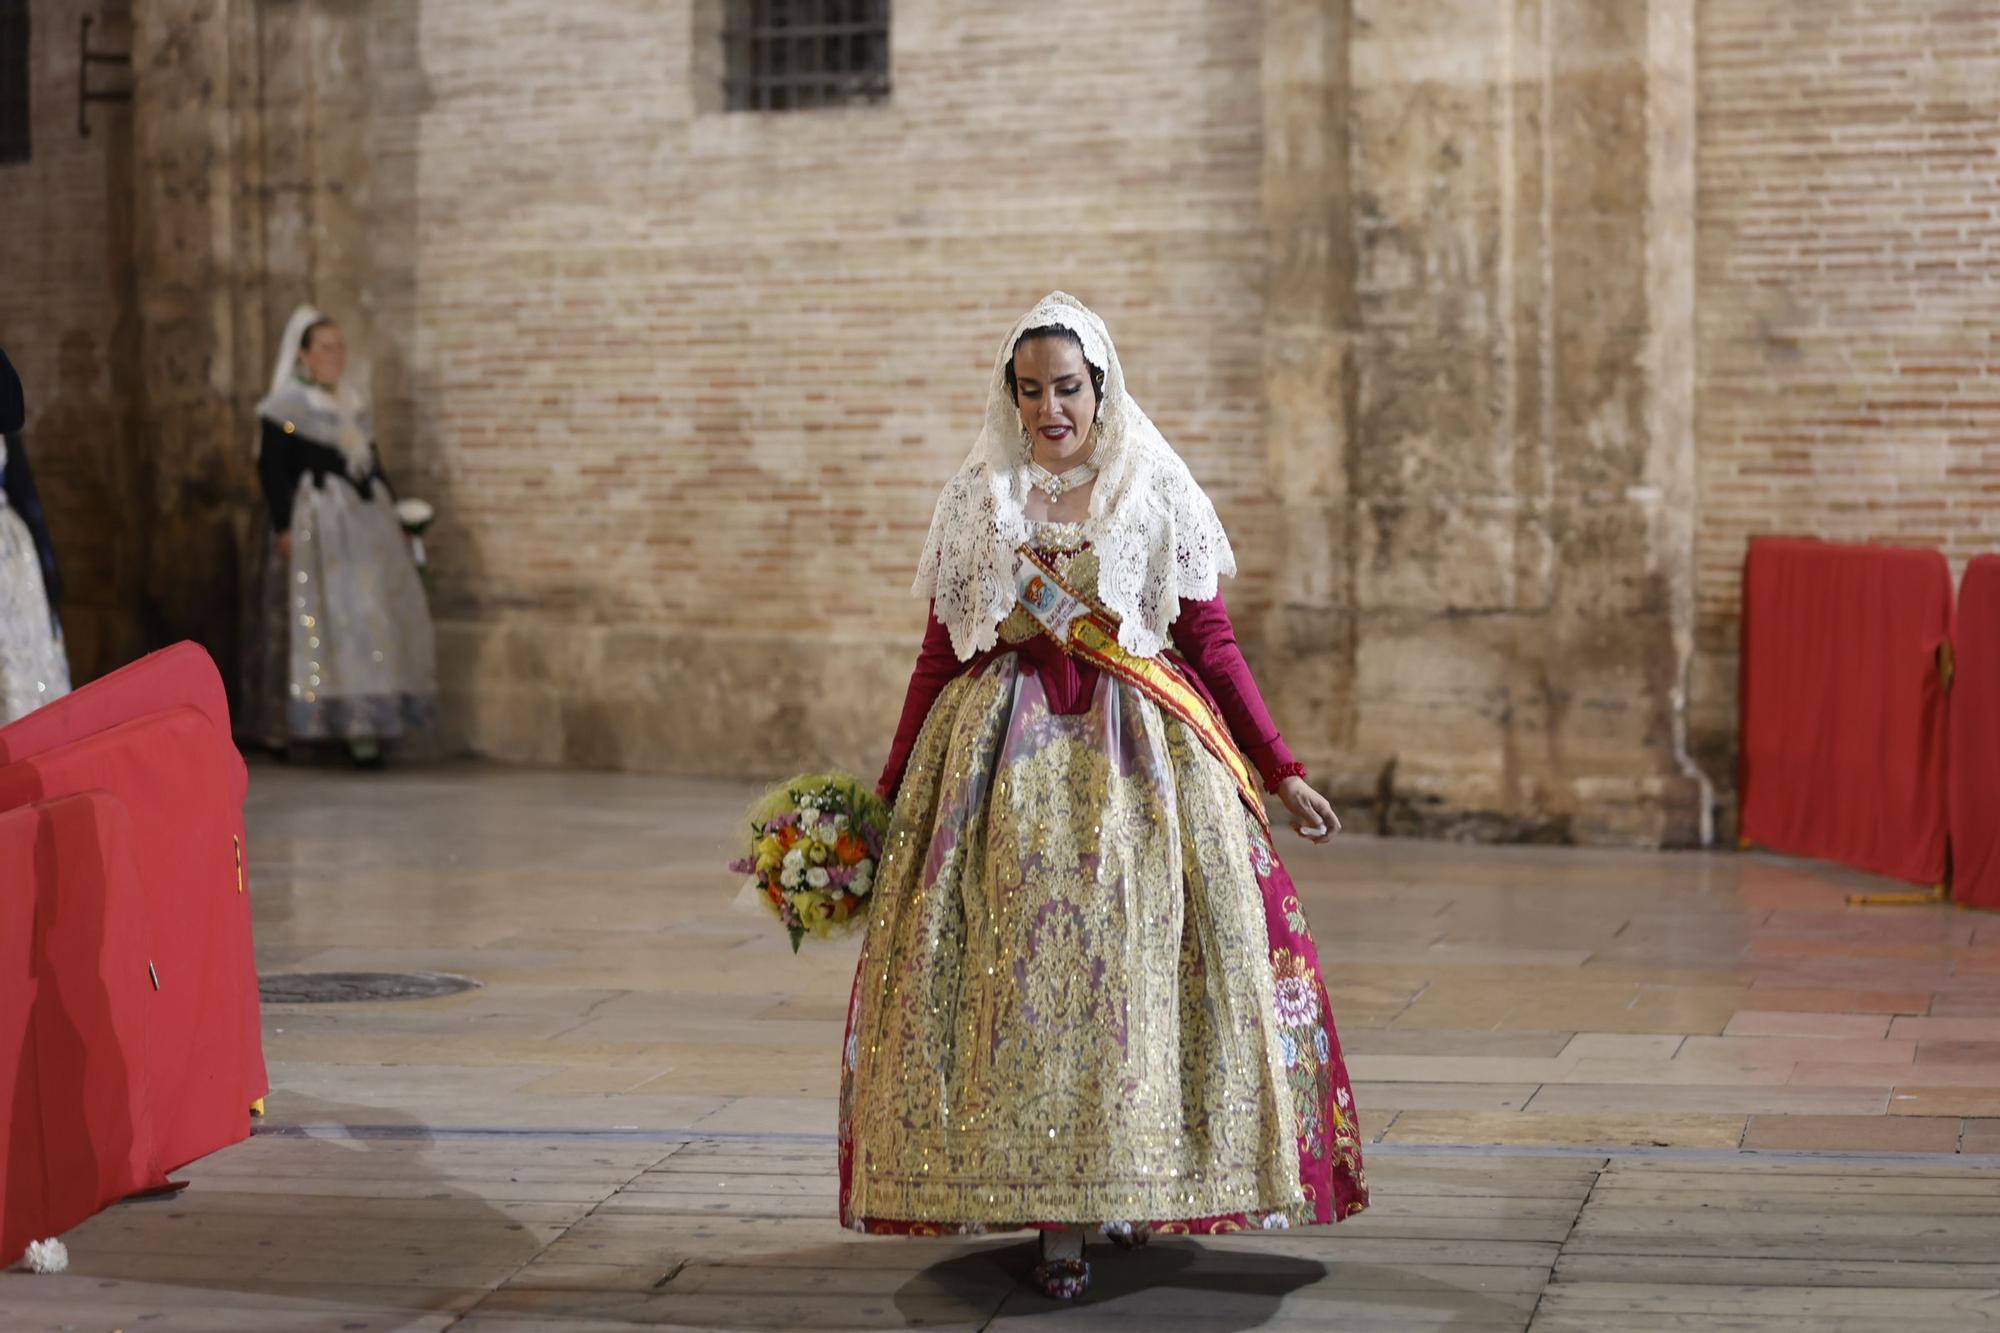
pixel 337 417
pixel 1156 534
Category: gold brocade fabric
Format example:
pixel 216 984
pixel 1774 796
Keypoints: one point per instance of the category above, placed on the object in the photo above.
pixel 1064 1008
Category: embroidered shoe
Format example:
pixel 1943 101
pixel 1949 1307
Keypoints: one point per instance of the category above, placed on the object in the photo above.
pixel 1127 1236
pixel 1062 1279
pixel 1067 1277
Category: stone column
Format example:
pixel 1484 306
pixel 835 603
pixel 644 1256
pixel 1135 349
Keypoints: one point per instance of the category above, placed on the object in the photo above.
pixel 250 174
pixel 1477 368
pixel 1672 341
pixel 1309 317
pixel 191 82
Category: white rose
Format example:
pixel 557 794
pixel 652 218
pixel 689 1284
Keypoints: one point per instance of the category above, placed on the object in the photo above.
pixel 795 859
pixel 840 822
pixel 864 879
pixel 790 877
pixel 817 877
pixel 829 831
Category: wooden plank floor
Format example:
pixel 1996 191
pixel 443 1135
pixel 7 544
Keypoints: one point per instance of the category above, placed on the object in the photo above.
pixel 595 1232
pixel 1603 1091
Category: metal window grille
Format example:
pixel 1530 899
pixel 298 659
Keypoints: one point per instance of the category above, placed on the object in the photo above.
pixel 790 55
pixel 14 141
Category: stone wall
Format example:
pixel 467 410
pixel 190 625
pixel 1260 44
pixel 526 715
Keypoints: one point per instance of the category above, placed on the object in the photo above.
pixel 67 322
pixel 1416 287
pixel 250 166
pixel 684 383
pixel 1479 377
pixel 144 345
pixel 1849 292
pixel 659 365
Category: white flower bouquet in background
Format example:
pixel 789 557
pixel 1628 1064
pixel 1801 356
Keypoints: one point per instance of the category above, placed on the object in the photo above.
pixel 416 516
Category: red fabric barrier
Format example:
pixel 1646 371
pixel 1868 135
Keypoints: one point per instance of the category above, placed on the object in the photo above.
pixel 23 1192
pixel 176 775
pixel 78 1127
pixel 1975 739
pixel 1843 710
pixel 181 675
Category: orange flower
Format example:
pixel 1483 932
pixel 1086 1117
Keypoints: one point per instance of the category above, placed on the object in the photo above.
pixel 787 837
pixel 850 849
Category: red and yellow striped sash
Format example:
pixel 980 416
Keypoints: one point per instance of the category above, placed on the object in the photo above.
pixel 1092 636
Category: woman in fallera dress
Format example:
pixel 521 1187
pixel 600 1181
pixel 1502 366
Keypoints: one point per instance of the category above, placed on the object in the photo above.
pixel 1087 1000
pixel 343 651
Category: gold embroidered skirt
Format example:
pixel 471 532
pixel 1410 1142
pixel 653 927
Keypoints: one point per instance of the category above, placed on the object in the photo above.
pixel 1064 1008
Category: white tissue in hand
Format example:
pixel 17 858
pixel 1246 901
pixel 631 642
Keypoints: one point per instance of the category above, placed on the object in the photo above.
pixel 47 1256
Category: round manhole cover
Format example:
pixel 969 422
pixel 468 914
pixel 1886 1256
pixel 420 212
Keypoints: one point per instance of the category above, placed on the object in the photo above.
pixel 349 987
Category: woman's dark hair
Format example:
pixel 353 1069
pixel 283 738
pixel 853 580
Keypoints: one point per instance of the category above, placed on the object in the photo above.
pixel 306 338
pixel 1067 335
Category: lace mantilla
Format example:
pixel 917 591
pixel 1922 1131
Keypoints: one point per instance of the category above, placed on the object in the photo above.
pixel 337 417
pixel 1155 532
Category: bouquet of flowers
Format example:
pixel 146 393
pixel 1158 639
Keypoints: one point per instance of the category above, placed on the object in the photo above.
pixel 815 843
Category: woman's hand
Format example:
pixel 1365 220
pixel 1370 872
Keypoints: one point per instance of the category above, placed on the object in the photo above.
pixel 1310 810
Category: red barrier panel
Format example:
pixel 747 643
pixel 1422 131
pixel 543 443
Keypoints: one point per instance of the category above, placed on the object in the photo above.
pixel 175 775
pixel 76 1124
pixel 1843 708
pixel 1975 739
pixel 23 1186
pixel 181 675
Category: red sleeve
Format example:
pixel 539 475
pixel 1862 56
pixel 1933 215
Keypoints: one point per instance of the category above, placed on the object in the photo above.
pixel 1204 636
pixel 936 665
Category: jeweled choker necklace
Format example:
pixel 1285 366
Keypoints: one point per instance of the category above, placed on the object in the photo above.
pixel 1056 485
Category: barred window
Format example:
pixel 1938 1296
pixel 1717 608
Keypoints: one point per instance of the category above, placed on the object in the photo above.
pixel 14 142
pixel 789 55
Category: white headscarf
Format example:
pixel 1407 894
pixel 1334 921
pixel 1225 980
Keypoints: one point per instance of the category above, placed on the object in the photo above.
pixel 1156 534
pixel 336 417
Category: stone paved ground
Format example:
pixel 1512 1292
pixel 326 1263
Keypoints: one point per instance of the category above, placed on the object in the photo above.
pixel 1604 1091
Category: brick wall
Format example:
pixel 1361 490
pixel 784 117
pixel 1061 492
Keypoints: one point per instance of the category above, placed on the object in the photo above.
pixel 686 383
pixel 1849 290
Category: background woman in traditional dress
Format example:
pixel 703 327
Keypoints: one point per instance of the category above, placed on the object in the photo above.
pixel 33 666
pixel 344 651
pixel 1087 997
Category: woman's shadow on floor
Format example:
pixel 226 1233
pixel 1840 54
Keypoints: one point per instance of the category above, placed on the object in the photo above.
pixel 1177 1280
pixel 427 1242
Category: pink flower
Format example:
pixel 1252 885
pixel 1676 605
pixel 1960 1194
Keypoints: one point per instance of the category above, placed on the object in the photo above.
pixel 1297 1004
